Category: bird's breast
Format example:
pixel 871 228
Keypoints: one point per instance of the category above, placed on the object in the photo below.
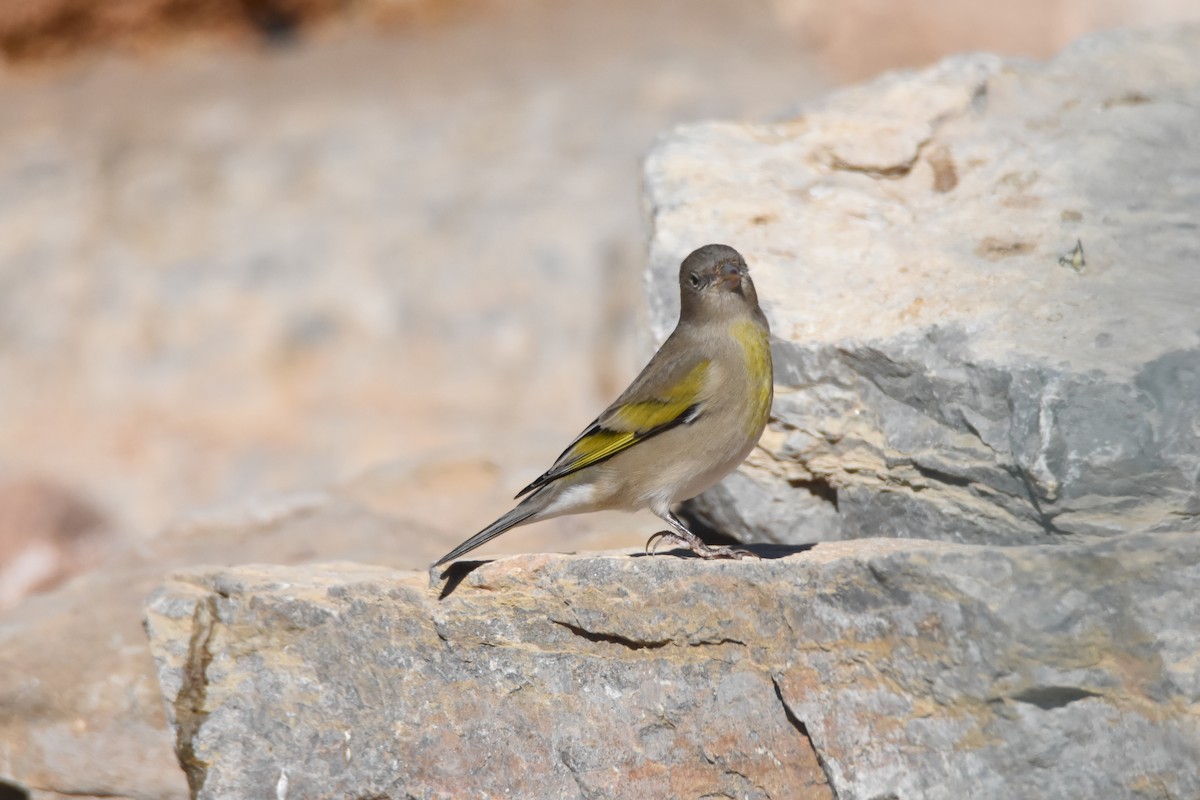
pixel 755 344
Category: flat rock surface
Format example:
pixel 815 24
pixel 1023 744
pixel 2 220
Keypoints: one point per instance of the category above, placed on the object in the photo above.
pixel 864 669
pixel 946 367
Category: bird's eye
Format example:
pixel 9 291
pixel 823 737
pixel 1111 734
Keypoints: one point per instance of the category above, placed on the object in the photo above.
pixel 694 280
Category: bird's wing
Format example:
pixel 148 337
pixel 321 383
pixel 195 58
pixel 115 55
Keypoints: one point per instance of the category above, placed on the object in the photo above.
pixel 668 392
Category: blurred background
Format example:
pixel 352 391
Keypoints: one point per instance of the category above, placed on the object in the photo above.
pixel 254 249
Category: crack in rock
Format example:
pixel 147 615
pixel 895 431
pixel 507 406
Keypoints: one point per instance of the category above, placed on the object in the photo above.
pixel 613 638
pixel 190 703
pixel 802 728
pixel 716 642
pixel 1051 697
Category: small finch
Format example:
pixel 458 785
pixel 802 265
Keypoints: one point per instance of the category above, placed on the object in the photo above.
pixel 689 419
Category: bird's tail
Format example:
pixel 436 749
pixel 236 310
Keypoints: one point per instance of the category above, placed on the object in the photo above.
pixel 520 514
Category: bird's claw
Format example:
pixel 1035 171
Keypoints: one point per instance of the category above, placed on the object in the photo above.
pixel 705 551
pixel 653 542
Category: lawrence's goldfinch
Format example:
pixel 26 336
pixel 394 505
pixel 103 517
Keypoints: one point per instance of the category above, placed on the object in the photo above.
pixel 691 416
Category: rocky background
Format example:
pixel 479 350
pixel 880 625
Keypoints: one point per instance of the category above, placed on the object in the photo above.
pixel 292 282
pixel 1011 252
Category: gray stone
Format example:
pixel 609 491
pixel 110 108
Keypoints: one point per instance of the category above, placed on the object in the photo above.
pixel 81 712
pixel 856 670
pixel 944 368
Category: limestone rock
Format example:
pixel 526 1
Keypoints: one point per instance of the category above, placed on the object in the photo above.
pixel 856 670
pixel 945 366
pixel 81 713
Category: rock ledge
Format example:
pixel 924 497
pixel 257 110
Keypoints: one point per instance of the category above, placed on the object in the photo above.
pixel 864 669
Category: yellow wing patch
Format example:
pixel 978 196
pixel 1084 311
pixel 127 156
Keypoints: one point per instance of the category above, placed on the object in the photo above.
pixel 631 422
pixel 597 446
pixel 628 424
pixel 645 415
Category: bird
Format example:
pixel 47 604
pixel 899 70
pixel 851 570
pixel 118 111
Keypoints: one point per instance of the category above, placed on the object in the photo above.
pixel 689 418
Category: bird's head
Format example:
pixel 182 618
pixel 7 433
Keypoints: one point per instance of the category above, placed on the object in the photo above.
pixel 715 281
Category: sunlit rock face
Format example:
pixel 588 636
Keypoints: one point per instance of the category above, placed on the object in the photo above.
pixel 860 669
pixel 981 279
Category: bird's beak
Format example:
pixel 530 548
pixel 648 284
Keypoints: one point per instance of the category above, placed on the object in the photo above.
pixel 730 278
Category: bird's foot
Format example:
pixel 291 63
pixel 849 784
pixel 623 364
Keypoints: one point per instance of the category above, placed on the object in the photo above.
pixel 693 542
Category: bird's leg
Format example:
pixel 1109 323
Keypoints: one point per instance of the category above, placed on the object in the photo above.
pixel 683 536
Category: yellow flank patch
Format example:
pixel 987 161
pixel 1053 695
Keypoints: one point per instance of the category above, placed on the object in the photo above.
pixel 757 348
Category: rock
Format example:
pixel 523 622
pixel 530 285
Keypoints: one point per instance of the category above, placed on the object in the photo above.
pixel 945 367
pixel 864 669
pixel 81 713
